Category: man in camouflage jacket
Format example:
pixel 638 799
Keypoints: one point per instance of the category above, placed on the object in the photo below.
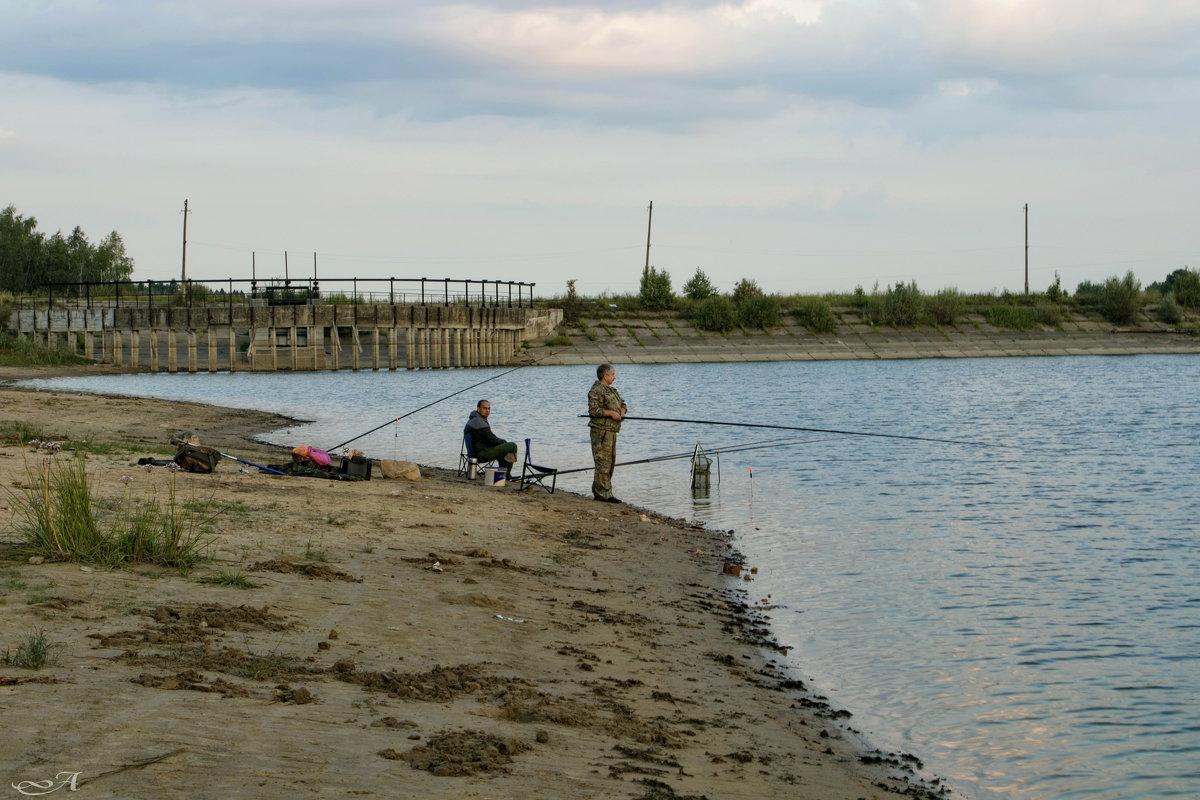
pixel 606 409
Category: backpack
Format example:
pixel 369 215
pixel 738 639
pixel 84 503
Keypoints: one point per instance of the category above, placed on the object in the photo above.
pixel 195 458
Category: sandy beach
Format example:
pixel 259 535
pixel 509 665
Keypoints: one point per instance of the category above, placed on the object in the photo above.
pixel 433 639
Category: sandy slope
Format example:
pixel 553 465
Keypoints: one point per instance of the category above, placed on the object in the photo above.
pixel 561 649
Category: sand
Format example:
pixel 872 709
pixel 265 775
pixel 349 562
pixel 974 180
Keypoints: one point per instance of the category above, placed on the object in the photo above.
pixel 432 639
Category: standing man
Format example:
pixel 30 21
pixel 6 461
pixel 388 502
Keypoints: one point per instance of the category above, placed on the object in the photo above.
pixel 606 410
pixel 486 444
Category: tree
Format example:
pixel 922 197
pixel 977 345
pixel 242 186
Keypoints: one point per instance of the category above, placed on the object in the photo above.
pixel 111 262
pixel 744 290
pixel 29 259
pixel 699 286
pixel 656 291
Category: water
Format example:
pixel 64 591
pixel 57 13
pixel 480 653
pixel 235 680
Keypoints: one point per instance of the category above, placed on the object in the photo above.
pixel 1026 618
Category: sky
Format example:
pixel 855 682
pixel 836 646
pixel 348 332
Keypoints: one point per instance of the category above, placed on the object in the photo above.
pixel 810 145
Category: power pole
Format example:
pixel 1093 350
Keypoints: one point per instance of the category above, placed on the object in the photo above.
pixel 649 222
pixel 183 274
pixel 1027 248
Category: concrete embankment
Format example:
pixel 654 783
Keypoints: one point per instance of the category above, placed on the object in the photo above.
pixel 654 340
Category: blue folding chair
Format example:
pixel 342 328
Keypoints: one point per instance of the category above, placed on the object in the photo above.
pixel 532 473
pixel 466 454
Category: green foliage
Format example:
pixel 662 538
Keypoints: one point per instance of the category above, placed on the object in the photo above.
pixel 34 652
pixel 815 314
pixel 18 351
pixel 1049 314
pixel 714 314
pixel 59 520
pixel 572 308
pixel 1186 288
pixel 761 311
pixel 1088 294
pixel 900 306
pixel 20 431
pixel 30 258
pixel 656 293
pixel 1168 310
pixel 744 290
pixel 946 306
pixel 699 287
pixel 1055 293
pixel 561 340
pixel 1013 317
pixel 1121 299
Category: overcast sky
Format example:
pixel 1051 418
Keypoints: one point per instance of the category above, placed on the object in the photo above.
pixel 812 145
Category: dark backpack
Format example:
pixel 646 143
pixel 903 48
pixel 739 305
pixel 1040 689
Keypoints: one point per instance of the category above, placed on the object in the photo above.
pixel 194 458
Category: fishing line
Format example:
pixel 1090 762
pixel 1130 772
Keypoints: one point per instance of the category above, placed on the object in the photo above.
pixel 434 403
pixel 817 430
pixel 737 448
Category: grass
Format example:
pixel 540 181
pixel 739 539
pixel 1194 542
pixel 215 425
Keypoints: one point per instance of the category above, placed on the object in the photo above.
pixel 561 340
pixel 21 352
pixel 59 519
pixel 34 652
pixel 314 555
pixel 236 579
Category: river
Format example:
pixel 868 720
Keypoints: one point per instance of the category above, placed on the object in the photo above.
pixel 1021 612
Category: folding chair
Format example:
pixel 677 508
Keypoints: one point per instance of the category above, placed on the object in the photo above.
pixel 466 454
pixel 531 473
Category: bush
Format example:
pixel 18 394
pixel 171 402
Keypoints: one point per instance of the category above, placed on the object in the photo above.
pixel 699 287
pixel 900 306
pixel 759 312
pixel 561 340
pixel 572 308
pixel 1168 310
pixel 1186 288
pixel 744 290
pixel 1049 314
pixel 1017 318
pixel 656 293
pixel 1120 299
pixel 815 314
pixel 1055 293
pixel 946 306
pixel 714 314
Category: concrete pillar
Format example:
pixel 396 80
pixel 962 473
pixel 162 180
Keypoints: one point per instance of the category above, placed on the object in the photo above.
pixel 172 352
pixel 375 348
pixel 233 353
pixel 191 352
pixel 356 349
pixel 445 348
pixel 118 348
pixel 88 345
pixel 293 345
pixel 316 346
pixel 153 350
pixel 273 336
pixel 335 347
pixel 135 344
pixel 409 348
pixel 212 350
pixel 393 340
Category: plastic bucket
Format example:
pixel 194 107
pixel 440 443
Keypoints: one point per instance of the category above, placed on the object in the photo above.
pixel 493 476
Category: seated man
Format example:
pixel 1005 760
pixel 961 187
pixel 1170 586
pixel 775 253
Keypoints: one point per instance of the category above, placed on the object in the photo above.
pixel 488 445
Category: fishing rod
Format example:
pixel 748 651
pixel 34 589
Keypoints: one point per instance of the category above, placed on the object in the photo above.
pixel 814 430
pixel 434 403
pixel 737 448
pixel 252 464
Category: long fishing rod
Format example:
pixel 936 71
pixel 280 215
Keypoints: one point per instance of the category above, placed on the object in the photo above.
pixel 815 430
pixel 737 448
pixel 434 403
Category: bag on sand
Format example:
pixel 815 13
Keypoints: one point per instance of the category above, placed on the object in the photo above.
pixel 196 458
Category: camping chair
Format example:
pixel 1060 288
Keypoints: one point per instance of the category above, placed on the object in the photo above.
pixel 531 473
pixel 466 454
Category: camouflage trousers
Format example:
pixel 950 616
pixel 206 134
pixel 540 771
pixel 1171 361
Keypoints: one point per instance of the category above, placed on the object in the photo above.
pixel 604 452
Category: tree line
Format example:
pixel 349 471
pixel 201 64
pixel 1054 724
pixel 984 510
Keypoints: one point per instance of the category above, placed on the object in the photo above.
pixel 30 258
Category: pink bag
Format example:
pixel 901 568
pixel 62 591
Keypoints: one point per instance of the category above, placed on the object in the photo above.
pixel 319 457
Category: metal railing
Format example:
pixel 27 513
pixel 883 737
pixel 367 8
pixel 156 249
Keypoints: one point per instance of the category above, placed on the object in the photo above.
pixel 282 291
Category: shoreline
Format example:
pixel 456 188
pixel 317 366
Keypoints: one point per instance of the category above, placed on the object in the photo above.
pixel 557 649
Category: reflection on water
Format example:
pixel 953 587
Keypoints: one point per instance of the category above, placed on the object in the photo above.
pixel 1023 618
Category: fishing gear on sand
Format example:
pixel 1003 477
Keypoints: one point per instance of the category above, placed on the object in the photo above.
pixel 252 464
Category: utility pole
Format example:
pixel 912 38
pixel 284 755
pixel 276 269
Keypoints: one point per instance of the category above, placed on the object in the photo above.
pixel 183 274
pixel 649 222
pixel 1027 248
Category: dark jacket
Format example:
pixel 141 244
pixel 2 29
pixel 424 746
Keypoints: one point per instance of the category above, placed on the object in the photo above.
pixel 481 433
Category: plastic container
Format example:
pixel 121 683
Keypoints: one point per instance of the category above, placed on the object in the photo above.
pixel 493 476
pixel 356 465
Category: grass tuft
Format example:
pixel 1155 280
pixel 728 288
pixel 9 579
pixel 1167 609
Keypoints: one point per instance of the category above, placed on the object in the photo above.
pixel 34 652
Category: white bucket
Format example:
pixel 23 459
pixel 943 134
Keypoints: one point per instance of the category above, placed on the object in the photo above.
pixel 493 476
